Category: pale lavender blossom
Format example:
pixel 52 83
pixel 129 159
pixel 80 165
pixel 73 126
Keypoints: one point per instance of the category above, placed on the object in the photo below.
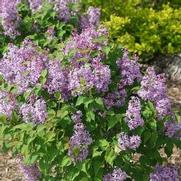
pixel 164 173
pixel 153 87
pixel 92 18
pixel 22 66
pixel 7 103
pixel 35 4
pixel 31 173
pixel 66 8
pixel 10 17
pixel 115 99
pixel 35 112
pixel 163 107
pixel 133 114
pixel 117 175
pixel 79 143
pixel 172 129
pixel 128 142
pixel 129 69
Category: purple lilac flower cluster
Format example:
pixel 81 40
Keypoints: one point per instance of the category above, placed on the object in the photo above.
pixel 92 18
pixel 117 175
pixel 66 8
pixel 133 114
pixel 23 66
pixel 7 103
pixel 172 129
pixel 128 142
pixel 35 111
pixel 80 140
pixel 31 173
pixel 153 88
pixel 10 17
pixel 35 4
pixel 163 173
pixel 129 69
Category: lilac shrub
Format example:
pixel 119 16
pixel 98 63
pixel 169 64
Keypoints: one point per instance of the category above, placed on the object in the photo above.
pixel 75 106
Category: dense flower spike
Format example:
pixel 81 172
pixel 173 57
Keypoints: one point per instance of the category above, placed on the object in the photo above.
pixel 10 17
pixel 57 79
pixel 79 143
pixel 153 88
pixel 35 112
pixel 92 18
pixel 133 114
pixel 23 66
pixel 7 103
pixel 31 173
pixel 172 129
pixel 163 173
pixel 83 44
pixel 128 142
pixel 76 117
pixel 66 8
pixel 130 69
pixel 117 175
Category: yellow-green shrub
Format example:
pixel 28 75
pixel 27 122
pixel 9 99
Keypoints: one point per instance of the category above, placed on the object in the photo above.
pixel 143 27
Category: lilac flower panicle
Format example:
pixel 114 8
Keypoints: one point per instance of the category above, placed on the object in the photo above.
pixel 117 175
pixel 7 103
pixel 128 142
pixel 31 173
pixel 35 4
pixel 22 66
pixel 133 114
pixel 130 69
pixel 34 112
pixel 115 99
pixel 172 129
pixel 79 143
pixel 10 17
pixel 163 107
pixel 163 173
pixel 64 8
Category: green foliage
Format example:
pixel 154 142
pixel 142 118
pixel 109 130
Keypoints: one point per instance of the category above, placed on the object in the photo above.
pixel 145 27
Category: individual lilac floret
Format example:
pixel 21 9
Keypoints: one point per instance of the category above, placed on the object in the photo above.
pixel 77 117
pixel 163 107
pixel 128 142
pixel 164 173
pixel 35 4
pixel 153 87
pixel 92 18
pixel 10 17
pixel 133 114
pixel 79 143
pixel 22 66
pixel 172 129
pixel 130 69
pixel 35 112
pixel 117 175
pixel 66 8
pixel 31 173
pixel 7 103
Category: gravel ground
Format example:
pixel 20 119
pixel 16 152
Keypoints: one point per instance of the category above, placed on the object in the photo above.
pixel 9 170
